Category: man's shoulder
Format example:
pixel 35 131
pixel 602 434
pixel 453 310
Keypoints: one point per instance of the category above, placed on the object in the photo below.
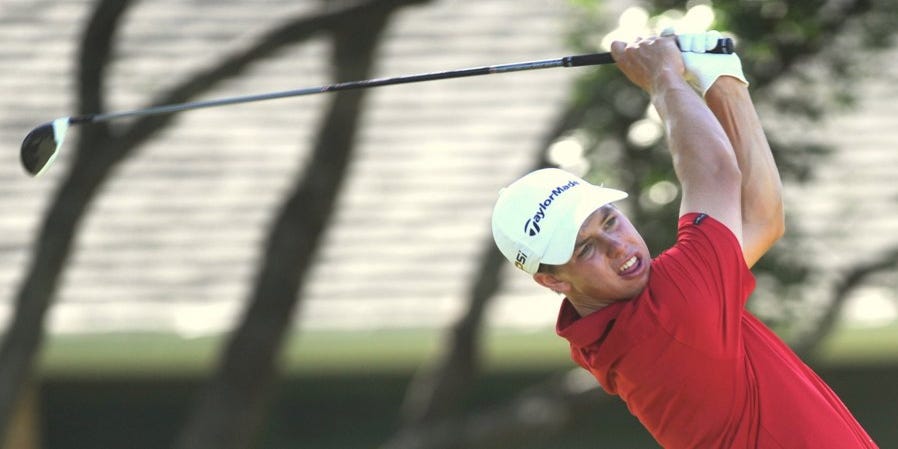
pixel 704 226
pixel 705 252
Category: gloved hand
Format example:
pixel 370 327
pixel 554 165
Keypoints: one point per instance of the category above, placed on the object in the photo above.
pixel 703 69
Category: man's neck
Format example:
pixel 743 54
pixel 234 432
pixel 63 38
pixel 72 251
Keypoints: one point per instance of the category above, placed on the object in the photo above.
pixel 585 308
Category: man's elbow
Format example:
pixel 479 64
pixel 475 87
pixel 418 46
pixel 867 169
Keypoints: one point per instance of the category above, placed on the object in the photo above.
pixel 766 226
pixel 760 236
pixel 776 227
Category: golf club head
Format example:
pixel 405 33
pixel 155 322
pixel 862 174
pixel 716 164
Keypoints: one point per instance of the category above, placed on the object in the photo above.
pixel 42 144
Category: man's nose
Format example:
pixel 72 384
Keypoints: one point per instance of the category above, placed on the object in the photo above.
pixel 614 246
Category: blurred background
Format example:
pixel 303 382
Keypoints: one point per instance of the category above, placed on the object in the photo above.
pixel 318 272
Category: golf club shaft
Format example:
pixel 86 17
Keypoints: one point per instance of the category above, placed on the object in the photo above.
pixel 724 46
pixel 568 61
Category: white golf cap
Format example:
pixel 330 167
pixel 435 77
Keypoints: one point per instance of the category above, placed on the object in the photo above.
pixel 536 219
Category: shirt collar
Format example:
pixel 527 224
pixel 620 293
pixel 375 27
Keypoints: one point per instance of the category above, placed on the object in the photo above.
pixel 584 331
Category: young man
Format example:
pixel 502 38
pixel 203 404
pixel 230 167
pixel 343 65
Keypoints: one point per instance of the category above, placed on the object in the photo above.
pixel 671 336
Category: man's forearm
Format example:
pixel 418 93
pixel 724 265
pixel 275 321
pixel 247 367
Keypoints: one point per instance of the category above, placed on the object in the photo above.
pixel 703 157
pixel 762 205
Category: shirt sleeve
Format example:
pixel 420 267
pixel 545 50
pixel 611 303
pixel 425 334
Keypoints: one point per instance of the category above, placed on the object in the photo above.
pixel 700 285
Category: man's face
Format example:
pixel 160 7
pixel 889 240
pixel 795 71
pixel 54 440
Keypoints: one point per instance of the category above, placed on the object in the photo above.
pixel 611 261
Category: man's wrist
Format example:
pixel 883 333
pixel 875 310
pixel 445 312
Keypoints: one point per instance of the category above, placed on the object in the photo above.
pixel 726 86
pixel 668 79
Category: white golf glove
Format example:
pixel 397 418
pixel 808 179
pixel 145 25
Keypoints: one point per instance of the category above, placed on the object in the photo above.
pixel 703 69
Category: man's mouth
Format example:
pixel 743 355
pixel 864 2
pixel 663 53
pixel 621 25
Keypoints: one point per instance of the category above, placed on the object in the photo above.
pixel 630 266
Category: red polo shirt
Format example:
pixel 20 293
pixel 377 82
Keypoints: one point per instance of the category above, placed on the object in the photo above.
pixel 696 368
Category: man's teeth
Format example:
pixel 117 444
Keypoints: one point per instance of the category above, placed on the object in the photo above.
pixel 628 264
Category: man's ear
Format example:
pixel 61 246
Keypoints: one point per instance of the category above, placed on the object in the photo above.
pixel 551 282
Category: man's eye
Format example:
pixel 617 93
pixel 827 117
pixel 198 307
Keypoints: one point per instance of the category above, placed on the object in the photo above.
pixel 585 250
pixel 610 222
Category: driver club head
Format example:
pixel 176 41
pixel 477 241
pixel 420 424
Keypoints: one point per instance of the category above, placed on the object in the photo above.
pixel 42 144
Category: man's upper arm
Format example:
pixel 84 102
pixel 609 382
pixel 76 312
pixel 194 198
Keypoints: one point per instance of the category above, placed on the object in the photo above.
pixel 718 194
pixel 762 205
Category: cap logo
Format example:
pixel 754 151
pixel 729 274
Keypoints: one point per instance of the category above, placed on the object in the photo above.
pixel 521 260
pixel 531 226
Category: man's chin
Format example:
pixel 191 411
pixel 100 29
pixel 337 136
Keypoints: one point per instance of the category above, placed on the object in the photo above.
pixel 635 292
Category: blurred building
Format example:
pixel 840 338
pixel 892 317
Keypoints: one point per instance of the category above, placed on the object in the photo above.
pixel 171 243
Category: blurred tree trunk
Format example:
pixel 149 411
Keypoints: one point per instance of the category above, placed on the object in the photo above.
pixel 437 393
pixel 24 430
pixel 54 241
pixel 537 413
pixel 98 151
pixel 232 407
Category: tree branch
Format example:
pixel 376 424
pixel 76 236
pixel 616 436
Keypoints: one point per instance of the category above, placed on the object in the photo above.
pixel 291 32
pixel 97 153
pixel 808 344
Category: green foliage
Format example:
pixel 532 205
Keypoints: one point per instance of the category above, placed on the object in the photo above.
pixel 802 58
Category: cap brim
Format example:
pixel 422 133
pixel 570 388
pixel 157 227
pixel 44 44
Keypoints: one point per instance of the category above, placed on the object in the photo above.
pixel 561 246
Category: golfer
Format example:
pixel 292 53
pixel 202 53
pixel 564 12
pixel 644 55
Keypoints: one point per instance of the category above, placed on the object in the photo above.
pixel 670 335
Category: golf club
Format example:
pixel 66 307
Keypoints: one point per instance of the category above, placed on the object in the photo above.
pixel 41 146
